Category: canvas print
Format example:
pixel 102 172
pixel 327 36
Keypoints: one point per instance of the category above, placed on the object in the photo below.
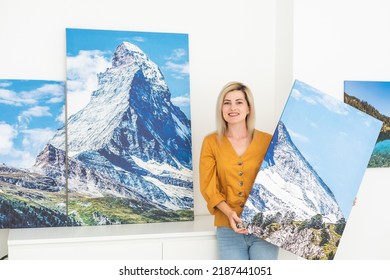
pixel 304 191
pixel 128 127
pixel 373 98
pixel 32 176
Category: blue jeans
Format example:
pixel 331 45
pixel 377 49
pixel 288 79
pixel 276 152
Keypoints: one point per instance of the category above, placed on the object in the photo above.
pixel 237 246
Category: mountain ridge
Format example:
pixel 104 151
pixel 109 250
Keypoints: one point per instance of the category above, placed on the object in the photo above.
pixel 287 182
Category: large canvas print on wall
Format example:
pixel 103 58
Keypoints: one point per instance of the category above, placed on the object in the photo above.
pixel 32 177
pixel 304 191
pixel 128 127
pixel 373 98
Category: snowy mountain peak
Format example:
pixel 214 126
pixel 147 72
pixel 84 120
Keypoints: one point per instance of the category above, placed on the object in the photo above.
pixel 130 115
pixel 93 127
pixel 127 53
pixel 286 183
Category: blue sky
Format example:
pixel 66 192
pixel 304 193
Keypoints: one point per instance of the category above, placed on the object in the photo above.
pixel 335 138
pixel 89 52
pixel 376 93
pixel 30 112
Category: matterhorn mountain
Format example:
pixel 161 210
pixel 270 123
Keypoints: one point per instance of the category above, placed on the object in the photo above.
pixel 287 183
pixel 130 141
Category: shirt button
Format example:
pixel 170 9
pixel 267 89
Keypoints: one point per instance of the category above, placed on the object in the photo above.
pixel 241 183
pixel 242 204
pixel 240 194
pixel 240 173
pixel 239 162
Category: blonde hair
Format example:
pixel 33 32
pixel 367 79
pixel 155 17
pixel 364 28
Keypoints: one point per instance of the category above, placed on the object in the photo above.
pixel 250 119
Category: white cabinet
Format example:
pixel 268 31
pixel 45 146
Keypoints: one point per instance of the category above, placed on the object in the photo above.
pixel 194 248
pixel 179 240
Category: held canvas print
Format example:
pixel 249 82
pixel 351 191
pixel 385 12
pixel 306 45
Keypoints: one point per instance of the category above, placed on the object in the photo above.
pixel 304 191
pixel 32 178
pixel 128 127
pixel 373 98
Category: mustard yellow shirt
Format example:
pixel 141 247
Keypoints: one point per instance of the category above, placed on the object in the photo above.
pixel 225 176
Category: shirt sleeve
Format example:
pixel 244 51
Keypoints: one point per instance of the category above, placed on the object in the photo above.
pixel 209 186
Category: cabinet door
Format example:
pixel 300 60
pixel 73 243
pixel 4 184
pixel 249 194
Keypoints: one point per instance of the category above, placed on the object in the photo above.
pixel 190 249
pixel 100 250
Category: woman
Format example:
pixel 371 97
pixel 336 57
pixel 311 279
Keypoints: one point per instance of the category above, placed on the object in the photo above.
pixel 229 162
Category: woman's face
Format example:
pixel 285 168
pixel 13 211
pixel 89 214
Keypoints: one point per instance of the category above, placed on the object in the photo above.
pixel 235 107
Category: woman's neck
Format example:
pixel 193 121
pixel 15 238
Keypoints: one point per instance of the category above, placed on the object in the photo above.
pixel 237 132
pixel 239 138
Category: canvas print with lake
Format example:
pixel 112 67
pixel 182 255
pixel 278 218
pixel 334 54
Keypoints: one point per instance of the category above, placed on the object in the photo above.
pixel 305 188
pixel 373 98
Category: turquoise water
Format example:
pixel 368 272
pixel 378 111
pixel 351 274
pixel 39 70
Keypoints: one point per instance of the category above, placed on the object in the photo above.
pixel 381 155
pixel 382 147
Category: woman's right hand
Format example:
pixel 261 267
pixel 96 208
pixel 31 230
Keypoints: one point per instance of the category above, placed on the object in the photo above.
pixel 232 217
pixel 234 221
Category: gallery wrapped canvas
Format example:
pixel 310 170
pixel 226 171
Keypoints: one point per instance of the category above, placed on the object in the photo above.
pixel 128 127
pixel 373 98
pixel 304 191
pixel 32 177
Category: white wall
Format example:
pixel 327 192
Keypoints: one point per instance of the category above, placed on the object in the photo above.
pixel 247 40
pixel 337 40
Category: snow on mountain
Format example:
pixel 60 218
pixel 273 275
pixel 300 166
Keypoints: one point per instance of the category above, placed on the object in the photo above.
pixel 91 133
pixel 156 168
pixel 131 132
pixel 287 183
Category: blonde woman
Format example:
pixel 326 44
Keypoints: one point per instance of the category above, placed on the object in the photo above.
pixel 229 162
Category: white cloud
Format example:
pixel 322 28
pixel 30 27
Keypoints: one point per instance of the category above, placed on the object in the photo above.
pixel 139 39
pixel 5 84
pixel 367 120
pixel 33 141
pixel 298 137
pixel 178 68
pixel 177 54
pixel 8 133
pixel 330 103
pixel 56 90
pixel 55 100
pixel 22 159
pixel 13 98
pixel 9 97
pixel 36 111
pixel 179 71
pixel 82 79
pixel 181 101
pixel 36 139
pixel 61 117
pixel 333 104
pixel 296 94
